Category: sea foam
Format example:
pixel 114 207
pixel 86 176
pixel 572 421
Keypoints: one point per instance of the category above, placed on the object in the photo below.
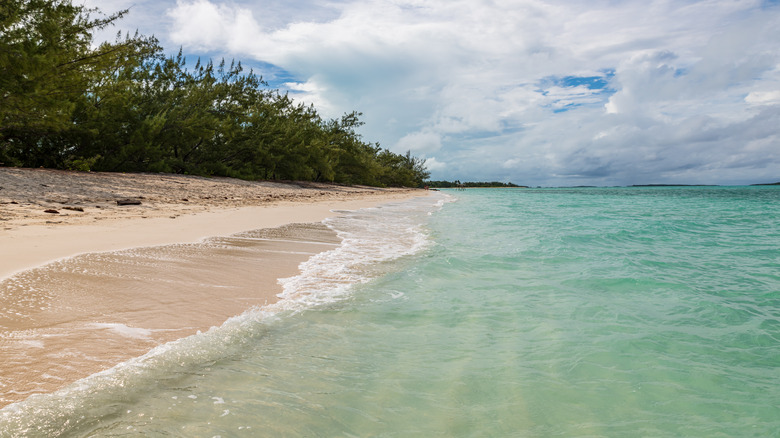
pixel 369 238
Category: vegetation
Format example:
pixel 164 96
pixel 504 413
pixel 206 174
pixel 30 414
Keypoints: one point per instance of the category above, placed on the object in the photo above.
pixel 124 106
pixel 458 184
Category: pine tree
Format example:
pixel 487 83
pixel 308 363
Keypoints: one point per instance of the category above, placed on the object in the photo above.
pixel 47 67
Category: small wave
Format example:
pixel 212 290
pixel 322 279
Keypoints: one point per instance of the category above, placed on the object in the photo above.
pixel 123 330
pixel 369 238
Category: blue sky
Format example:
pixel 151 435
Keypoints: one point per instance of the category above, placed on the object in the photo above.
pixel 537 92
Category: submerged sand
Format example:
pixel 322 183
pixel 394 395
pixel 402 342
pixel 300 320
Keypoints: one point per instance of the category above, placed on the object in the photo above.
pixel 91 309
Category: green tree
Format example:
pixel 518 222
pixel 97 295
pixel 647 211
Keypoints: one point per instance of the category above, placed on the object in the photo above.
pixel 47 67
pixel 402 170
pixel 124 106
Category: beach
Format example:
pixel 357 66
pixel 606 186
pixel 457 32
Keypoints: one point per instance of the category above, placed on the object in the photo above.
pixel 152 238
pixel 485 312
pixel 88 217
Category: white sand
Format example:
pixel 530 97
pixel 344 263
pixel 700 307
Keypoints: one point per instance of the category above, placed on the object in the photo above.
pixel 34 245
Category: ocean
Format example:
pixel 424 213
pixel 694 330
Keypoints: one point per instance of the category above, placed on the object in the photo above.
pixel 583 312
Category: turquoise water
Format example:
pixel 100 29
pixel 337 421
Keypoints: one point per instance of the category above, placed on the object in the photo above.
pixel 530 313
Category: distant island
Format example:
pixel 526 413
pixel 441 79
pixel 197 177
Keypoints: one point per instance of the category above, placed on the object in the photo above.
pixel 674 185
pixel 478 184
pixel 697 185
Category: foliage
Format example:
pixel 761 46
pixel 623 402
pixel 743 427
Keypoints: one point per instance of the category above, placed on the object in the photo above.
pixel 124 106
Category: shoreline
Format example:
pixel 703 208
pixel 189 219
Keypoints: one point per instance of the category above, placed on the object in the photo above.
pixel 69 289
pixel 172 209
pixel 34 246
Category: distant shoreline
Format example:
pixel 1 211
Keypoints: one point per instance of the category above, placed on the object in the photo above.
pixel 483 185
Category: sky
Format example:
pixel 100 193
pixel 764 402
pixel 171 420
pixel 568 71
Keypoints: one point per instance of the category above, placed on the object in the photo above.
pixel 534 92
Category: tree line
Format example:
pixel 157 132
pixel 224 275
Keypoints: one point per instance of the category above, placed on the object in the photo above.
pixel 125 106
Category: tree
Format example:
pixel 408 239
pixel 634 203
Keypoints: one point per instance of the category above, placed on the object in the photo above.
pixel 47 67
pixel 124 106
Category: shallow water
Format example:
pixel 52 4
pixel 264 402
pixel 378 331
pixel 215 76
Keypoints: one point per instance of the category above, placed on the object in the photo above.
pixel 549 312
pixel 77 316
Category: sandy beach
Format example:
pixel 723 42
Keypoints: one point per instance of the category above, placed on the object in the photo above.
pixel 49 214
pixel 59 321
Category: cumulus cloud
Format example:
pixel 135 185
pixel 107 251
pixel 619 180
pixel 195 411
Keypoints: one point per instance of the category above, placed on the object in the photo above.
pixel 541 92
pixel 771 97
pixel 421 143
pixel 203 25
pixel 435 165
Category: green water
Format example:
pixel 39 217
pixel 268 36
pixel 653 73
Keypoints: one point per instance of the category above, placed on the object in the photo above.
pixel 529 313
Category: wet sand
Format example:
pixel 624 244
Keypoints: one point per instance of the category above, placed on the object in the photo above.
pixel 112 292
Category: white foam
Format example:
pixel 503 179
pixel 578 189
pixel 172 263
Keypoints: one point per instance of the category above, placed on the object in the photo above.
pixel 123 330
pixel 33 343
pixel 370 237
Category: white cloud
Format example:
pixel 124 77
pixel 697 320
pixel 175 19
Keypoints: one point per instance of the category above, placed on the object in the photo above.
pixel 204 25
pixel 690 89
pixel 420 143
pixel 435 165
pixel 311 92
pixel 763 97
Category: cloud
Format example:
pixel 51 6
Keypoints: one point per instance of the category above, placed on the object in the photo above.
pixel 542 92
pixel 421 143
pixel 207 26
pixel 435 165
pixel 771 97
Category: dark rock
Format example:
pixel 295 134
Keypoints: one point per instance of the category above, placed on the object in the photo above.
pixel 51 211
pixel 128 202
pixel 74 208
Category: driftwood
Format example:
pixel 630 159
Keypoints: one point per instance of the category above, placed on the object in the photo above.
pixel 128 202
